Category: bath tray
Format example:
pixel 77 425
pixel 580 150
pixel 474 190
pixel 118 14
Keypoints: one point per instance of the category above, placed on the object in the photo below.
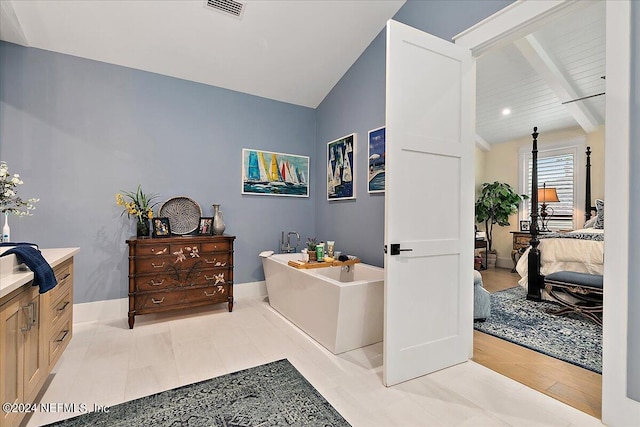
pixel 303 264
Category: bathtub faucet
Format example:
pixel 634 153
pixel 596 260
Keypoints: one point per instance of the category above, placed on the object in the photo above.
pixel 286 248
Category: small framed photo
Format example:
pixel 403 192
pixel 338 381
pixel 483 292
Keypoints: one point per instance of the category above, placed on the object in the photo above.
pixel 161 227
pixel 524 225
pixel 205 227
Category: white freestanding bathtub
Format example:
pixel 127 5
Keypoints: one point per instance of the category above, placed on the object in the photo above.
pixel 342 310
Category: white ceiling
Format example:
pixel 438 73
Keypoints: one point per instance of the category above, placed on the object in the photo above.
pixel 291 51
pixel 533 76
pixel 296 51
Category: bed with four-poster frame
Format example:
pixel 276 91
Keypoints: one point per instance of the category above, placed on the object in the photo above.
pixel 580 251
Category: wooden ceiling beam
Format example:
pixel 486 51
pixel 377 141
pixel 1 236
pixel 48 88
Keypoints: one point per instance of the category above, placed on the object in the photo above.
pixel 557 81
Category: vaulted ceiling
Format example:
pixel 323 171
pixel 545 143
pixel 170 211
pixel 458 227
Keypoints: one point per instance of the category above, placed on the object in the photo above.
pixel 291 51
pixel 296 51
pixel 537 76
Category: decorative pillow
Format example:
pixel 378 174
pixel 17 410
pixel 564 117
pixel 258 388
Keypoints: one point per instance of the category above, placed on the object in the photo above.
pixel 591 223
pixel 599 214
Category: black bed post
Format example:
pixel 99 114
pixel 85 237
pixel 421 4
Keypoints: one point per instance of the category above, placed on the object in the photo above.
pixel 533 275
pixel 587 201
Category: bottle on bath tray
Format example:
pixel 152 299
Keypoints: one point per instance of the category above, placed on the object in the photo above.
pixel 320 251
pixel 330 246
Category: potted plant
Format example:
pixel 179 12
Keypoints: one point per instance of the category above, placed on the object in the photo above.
pixel 497 201
pixel 139 206
pixel 311 248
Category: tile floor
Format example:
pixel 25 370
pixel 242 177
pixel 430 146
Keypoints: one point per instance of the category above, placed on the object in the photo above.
pixel 106 364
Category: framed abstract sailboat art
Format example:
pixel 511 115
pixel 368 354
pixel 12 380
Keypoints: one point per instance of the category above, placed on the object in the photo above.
pixel 341 175
pixel 267 173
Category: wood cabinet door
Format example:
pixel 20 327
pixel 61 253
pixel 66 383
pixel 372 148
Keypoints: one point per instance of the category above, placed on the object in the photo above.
pixel 11 356
pixel 33 342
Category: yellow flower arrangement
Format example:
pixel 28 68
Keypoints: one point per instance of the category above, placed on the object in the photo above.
pixel 139 205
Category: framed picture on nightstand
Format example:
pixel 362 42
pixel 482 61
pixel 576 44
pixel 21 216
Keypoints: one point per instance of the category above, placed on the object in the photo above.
pixel 524 225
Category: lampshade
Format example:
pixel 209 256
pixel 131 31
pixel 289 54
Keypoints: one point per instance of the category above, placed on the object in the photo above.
pixel 546 195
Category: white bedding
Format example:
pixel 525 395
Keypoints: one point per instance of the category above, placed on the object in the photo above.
pixel 584 256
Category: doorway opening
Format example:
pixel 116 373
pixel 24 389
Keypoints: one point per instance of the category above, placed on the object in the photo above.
pixel 568 383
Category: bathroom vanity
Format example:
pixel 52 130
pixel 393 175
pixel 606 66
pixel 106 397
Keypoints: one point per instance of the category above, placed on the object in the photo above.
pixel 34 329
pixel 173 273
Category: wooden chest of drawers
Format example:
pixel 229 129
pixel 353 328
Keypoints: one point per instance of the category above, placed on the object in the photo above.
pixel 520 244
pixel 173 273
pixel 521 239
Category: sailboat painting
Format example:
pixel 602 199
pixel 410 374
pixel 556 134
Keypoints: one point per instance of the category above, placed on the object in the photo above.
pixel 377 160
pixel 341 155
pixel 267 173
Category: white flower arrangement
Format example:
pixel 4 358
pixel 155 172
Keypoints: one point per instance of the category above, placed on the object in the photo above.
pixel 9 199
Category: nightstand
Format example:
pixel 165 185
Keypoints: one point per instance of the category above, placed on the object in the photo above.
pixel 482 244
pixel 521 241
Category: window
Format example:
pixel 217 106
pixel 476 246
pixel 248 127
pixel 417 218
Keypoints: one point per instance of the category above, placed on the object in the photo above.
pixel 557 168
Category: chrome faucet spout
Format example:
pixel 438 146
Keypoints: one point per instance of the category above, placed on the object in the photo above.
pixel 289 247
pixel 285 246
pixel 294 233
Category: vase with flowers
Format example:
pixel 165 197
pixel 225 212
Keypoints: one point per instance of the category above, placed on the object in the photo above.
pixel 10 202
pixel 139 206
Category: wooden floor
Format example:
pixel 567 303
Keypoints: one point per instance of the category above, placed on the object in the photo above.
pixel 575 386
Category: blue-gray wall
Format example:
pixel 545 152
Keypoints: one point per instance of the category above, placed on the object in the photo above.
pixel 78 131
pixel 633 368
pixel 357 104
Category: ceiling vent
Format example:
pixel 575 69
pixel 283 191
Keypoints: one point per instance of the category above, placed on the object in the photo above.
pixel 228 7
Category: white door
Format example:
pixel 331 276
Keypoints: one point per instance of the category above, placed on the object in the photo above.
pixel 428 204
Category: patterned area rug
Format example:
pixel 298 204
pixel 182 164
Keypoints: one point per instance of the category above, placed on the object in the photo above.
pixel 275 394
pixel 571 338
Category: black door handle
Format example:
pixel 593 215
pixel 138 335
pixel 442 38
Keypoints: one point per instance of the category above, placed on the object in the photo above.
pixel 395 249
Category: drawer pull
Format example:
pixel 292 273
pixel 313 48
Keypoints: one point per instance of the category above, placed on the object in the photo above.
pixel 155 301
pixel 65 277
pixel 215 262
pixel 30 319
pixel 157 266
pixel 154 283
pixel 63 306
pixel 211 294
pixel 64 335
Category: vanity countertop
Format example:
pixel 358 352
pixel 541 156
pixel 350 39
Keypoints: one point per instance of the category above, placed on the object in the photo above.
pixel 11 278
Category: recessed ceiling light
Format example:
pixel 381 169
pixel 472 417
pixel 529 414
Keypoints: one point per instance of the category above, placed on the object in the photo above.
pixel 506 112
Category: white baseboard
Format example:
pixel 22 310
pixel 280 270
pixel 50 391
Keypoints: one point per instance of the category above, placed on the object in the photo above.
pixel 250 290
pixel 504 263
pixel 97 311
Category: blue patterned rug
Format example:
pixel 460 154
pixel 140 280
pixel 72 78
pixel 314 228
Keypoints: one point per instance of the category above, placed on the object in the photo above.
pixel 275 394
pixel 571 338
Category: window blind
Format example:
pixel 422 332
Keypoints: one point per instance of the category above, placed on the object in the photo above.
pixel 556 171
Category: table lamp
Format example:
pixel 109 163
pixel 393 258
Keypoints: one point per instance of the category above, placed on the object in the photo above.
pixel 546 195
